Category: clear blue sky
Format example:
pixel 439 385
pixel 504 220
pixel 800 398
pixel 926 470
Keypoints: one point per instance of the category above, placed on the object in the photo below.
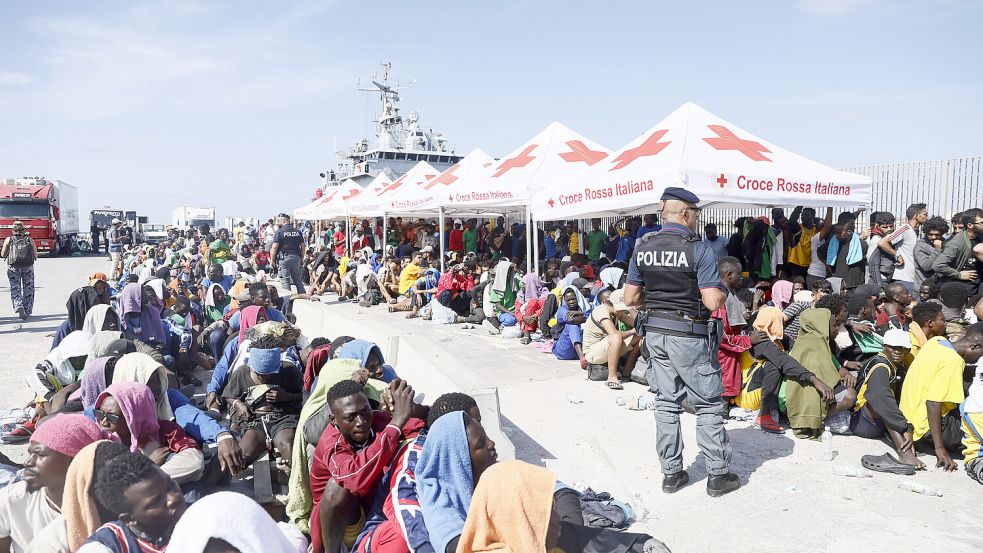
pixel 152 105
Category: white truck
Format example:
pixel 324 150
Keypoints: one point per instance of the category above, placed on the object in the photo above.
pixel 187 217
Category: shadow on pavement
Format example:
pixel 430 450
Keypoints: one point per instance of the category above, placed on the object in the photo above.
pixel 526 448
pixel 751 448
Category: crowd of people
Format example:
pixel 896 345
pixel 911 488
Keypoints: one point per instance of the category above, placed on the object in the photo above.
pixel 129 451
pixel 874 334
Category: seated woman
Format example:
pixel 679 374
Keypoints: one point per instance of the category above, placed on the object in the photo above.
pixel 513 510
pixel 100 317
pixel 128 411
pixel 604 343
pixel 61 367
pixel 572 313
pixel 808 411
pixel 229 521
pixel 762 380
pixel 264 400
pixel 79 303
pixel 140 315
pixel 529 305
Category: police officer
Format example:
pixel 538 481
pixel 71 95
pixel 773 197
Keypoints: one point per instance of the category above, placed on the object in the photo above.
pixel 674 276
pixel 287 253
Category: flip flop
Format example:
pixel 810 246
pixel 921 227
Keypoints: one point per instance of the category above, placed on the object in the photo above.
pixel 886 463
pixel 614 385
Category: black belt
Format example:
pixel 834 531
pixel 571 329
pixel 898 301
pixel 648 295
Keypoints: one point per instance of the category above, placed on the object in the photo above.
pixel 700 328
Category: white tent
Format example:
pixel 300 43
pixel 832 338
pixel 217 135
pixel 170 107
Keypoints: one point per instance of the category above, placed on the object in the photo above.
pixel 332 204
pixel 719 162
pixel 426 198
pixel 374 201
pixel 307 212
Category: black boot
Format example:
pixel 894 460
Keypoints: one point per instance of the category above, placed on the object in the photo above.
pixel 720 484
pixel 672 482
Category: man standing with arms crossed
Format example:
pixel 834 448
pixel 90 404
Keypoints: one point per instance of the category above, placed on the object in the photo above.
pixel 673 275
pixel 287 253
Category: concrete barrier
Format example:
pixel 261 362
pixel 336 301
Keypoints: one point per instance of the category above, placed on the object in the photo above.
pixel 427 366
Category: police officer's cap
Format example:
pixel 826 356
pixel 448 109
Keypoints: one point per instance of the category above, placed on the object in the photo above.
pixel 681 194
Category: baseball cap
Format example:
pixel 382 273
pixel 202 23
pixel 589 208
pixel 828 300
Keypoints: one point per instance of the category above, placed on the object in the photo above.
pixel 897 338
pixel 428 249
pixel 116 221
pixel 617 298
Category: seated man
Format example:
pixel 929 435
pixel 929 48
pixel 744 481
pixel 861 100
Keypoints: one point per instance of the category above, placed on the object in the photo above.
pixel 265 401
pixel 572 313
pixel 876 411
pixel 604 343
pixel 933 389
pixel 500 296
pixel 145 501
pixel 348 462
pixel 929 322
pixel 30 504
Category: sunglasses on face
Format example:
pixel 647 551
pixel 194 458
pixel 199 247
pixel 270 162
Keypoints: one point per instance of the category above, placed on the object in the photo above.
pixel 104 416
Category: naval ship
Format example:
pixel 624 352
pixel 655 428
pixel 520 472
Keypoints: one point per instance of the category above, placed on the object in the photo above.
pixel 401 142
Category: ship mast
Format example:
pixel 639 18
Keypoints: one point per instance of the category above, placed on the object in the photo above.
pixel 390 130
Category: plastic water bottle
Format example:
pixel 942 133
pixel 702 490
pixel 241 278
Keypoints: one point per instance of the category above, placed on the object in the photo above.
pixel 849 470
pixel 918 487
pixel 827 445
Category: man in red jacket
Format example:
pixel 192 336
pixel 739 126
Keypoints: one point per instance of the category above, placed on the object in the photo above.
pixel 350 458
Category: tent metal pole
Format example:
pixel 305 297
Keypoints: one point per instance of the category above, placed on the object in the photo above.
pixel 535 243
pixel 385 232
pixel 348 235
pixel 441 239
pixel 526 223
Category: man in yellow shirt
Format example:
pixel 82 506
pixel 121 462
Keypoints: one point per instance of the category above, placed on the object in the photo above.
pixel 933 389
pixel 410 273
pixel 927 323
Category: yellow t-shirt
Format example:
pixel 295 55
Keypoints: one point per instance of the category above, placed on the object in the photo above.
pixel 971 439
pixel 935 375
pixel 575 242
pixel 801 254
pixel 408 277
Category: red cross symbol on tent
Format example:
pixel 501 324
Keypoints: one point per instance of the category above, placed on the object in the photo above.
pixel 580 152
pixel 520 160
pixel 550 202
pixel 327 198
pixel 650 147
pixel 393 185
pixel 721 180
pixel 446 178
pixel 727 140
pixel 351 194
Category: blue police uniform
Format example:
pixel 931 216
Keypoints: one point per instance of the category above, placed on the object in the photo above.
pixel 673 265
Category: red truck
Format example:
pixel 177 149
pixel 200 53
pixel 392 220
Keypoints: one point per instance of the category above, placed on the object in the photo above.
pixel 48 209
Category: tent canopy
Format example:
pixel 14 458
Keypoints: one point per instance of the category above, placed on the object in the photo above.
pixel 332 204
pixel 374 202
pixel 426 198
pixel 719 162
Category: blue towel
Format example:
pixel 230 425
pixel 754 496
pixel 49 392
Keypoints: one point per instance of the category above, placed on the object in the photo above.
pixel 853 256
pixel 360 349
pixel 444 479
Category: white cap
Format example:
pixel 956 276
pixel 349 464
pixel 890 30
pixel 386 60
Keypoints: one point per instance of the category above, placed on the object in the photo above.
pixel 897 338
pixel 458 222
pixel 116 221
pixel 427 249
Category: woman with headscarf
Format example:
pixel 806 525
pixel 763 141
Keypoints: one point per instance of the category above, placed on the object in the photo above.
pixel 230 521
pixel 447 471
pixel 807 407
pixel 143 369
pixel 100 317
pixel 140 316
pixel 529 305
pixel 781 294
pixel 763 378
pixel 127 411
pixel 216 300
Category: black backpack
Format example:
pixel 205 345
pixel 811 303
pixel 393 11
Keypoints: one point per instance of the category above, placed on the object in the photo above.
pixel 21 252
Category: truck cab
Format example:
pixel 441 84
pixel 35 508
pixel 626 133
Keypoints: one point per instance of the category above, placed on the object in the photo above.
pixel 48 209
